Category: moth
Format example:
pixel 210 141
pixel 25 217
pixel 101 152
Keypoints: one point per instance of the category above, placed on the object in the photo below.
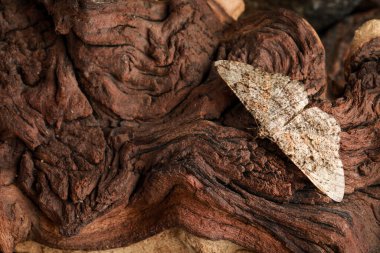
pixel 308 136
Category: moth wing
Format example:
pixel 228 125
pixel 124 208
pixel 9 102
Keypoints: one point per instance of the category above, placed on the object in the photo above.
pixel 311 140
pixel 272 99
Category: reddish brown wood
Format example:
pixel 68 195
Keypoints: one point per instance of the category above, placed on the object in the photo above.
pixel 337 41
pixel 115 126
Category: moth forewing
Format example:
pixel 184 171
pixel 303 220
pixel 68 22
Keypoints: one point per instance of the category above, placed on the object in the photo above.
pixel 309 137
pixel 311 140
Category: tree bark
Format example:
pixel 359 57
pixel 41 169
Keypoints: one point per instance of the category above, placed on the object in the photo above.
pixel 115 127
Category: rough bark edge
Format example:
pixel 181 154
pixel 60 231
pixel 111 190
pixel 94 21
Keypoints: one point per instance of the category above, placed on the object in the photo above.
pixel 168 241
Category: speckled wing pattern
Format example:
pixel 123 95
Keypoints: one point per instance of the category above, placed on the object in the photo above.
pixel 309 137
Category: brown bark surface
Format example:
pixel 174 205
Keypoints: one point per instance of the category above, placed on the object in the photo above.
pixel 169 241
pixel 337 42
pixel 114 127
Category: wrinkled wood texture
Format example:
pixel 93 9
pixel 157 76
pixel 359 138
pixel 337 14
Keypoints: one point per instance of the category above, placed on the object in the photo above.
pixel 169 241
pixel 337 42
pixel 114 127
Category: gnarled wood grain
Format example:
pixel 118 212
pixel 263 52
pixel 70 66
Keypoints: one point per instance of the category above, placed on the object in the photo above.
pixel 115 125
